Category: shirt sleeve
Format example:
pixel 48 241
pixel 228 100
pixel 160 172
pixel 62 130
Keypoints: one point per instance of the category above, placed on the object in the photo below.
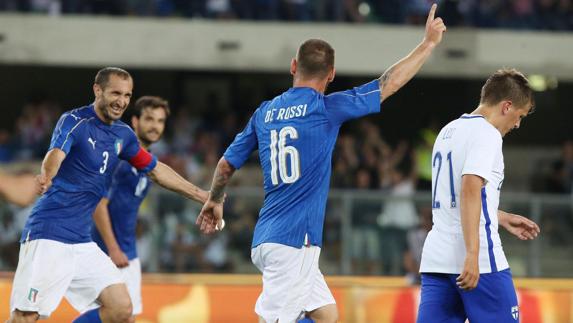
pixel 138 157
pixel 244 144
pixel 355 103
pixel 65 132
pixel 482 152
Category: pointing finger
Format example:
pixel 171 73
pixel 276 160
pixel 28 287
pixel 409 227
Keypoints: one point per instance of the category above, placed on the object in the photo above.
pixel 431 14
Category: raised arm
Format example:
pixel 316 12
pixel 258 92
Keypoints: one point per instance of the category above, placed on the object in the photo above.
pixel 401 72
pixel 103 225
pixel 169 179
pixel 470 209
pixel 50 167
pixel 519 226
pixel 211 217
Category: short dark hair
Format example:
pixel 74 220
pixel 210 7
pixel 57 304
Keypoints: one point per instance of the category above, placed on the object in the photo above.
pixel 102 76
pixel 150 102
pixel 315 58
pixel 507 84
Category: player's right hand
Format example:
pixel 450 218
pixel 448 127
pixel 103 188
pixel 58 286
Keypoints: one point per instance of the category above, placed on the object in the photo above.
pixel 469 277
pixel 210 218
pixel 43 183
pixel 435 27
pixel 119 258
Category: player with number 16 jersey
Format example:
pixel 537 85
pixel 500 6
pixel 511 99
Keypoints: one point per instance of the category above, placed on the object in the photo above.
pixel 295 134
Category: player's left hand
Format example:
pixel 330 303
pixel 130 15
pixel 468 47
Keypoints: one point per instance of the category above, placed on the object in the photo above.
pixel 210 218
pixel 435 27
pixel 520 226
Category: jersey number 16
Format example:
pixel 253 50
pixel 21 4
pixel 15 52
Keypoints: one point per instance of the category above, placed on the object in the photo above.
pixel 279 160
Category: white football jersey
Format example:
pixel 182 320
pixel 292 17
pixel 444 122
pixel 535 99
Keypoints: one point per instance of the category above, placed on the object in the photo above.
pixel 468 145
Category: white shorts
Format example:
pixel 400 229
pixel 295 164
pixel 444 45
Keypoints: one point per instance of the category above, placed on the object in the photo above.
pixel 292 282
pixel 49 270
pixel 132 277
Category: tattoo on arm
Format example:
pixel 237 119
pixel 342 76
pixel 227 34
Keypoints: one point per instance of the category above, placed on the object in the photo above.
pixel 385 77
pixel 384 81
pixel 222 176
pixel 218 187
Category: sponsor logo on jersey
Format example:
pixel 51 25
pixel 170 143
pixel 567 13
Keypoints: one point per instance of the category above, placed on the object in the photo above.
pixel 93 142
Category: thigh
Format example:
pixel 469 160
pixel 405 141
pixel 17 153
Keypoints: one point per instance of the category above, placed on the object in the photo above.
pixel 319 295
pixel 132 277
pixel 94 271
pixel 42 277
pixel 285 281
pixel 493 300
pixel 440 300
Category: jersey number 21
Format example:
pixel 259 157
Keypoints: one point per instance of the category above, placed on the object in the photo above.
pixel 437 162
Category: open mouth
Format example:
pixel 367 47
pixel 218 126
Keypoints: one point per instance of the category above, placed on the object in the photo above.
pixel 116 109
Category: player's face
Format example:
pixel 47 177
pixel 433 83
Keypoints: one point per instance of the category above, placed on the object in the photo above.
pixel 150 125
pixel 113 99
pixel 514 115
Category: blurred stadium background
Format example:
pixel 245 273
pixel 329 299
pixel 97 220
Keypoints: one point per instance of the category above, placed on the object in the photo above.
pixel 216 60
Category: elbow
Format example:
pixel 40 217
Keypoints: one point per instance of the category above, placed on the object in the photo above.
pixel 225 167
pixel 153 174
pixel 388 88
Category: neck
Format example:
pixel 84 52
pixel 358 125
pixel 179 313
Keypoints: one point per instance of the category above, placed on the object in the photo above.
pixel 100 114
pixel 489 114
pixel 144 144
pixel 318 85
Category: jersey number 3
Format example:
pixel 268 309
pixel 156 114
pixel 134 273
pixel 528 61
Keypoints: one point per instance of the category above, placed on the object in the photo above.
pixel 437 162
pixel 279 159
pixel 104 166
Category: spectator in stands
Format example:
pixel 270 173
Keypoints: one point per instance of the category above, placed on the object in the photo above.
pixel 398 217
pixel 365 231
pixel 414 245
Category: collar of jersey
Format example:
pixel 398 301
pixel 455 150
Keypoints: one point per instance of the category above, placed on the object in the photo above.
pixel 302 88
pixel 471 116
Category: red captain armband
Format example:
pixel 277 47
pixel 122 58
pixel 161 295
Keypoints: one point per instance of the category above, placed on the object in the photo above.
pixel 142 160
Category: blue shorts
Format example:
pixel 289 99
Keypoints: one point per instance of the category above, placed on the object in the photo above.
pixel 493 300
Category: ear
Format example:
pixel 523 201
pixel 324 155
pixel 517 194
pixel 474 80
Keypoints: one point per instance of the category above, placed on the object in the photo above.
pixel 134 122
pixel 505 106
pixel 97 90
pixel 331 75
pixel 293 66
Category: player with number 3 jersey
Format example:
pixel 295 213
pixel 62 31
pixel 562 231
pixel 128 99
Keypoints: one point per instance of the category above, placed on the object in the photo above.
pixel 57 256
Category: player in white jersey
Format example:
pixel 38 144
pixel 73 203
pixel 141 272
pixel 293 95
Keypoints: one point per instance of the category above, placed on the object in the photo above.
pixel 463 246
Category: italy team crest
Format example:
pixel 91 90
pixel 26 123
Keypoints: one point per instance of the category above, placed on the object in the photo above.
pixel 515 312
pixel 118 146
pixel 33 295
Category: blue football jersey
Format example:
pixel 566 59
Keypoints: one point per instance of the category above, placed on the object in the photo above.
pixel 295 134
pixel 93 150
pixel 128 189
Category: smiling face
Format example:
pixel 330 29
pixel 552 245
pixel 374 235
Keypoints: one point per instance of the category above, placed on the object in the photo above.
pixel 150 125
pixel 112 98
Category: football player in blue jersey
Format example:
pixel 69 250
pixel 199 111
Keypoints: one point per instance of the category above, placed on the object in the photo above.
pixel 295 134
pixel 116 215
pixel 57 255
